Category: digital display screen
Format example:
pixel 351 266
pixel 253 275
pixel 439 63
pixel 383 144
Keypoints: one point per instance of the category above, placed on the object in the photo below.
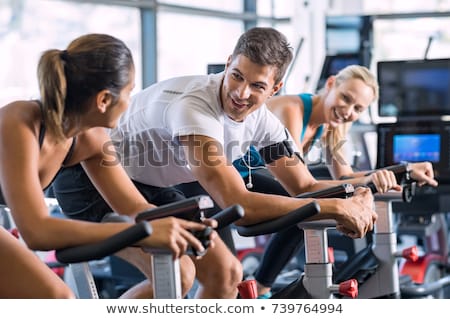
pixel 414 88
pixel 333 64
pixel 339 63
pixel 417 147
pixel 215 68
pixel 415 141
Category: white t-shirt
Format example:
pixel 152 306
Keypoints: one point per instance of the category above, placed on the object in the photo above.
pixel 146 137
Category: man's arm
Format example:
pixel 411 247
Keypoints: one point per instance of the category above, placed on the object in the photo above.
pixel 224 184
pixel 289 169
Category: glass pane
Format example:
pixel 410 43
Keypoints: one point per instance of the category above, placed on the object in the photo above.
pixel 201 41
pixel 265 8
pixel 408 38
pixel 402 6
pixel 342 41
pixel 279 9
pixel 29 27
pixel 229 5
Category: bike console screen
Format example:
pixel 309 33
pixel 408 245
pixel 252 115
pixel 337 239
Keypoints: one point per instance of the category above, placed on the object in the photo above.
pixel 416 147
pixel 415 141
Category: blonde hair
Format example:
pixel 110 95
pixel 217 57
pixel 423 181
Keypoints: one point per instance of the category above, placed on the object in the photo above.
pixel 334 136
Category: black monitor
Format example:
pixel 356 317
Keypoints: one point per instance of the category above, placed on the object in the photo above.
pixel 414 88
pixel 334 63
pixel 215 68
pixel 415 141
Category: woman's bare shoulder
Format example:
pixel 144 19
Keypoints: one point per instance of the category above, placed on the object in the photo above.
pixel 286 105
pixel 19 114
pixel 284 101
pixel 91 142
pixel 93 134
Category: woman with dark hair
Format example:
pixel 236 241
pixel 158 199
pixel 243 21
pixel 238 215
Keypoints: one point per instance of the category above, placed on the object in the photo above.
pixel 83 90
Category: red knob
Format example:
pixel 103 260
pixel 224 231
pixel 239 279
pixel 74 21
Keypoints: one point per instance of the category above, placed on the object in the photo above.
pixel 247 289
pixel 331 255
pixel 411 253
pixel 349 288
pixel 14 232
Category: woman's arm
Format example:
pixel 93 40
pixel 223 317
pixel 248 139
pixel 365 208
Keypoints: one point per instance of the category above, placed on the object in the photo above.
pixel 98 158
pixel 109 177
pixel 289 109
pixel 339 168
pixel 383 178
pixel 23 167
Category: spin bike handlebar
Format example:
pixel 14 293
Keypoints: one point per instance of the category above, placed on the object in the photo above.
pixel 340 191
pixel 402 174
pixel 344 190
pixel 277 224
pixel 106 247
pixel 298 215
pixel 189 208
pixel 347 190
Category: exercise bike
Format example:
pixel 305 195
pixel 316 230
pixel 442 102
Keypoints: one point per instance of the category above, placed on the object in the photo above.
pixel 166 273
pixel 318 269
pixel 374 269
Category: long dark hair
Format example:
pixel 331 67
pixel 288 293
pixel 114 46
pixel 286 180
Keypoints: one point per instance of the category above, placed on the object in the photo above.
pixel 69 78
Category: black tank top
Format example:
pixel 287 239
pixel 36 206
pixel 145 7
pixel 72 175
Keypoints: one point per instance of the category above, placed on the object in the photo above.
pixel 41 141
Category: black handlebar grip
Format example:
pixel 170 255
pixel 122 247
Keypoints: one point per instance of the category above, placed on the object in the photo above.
pixel 277 224
pixel 408 190
pixel 203 236
pixel 228 215
pixel 105 247
pixel 188 208
pixel 371 186
pixel 224 218
pixel 340 191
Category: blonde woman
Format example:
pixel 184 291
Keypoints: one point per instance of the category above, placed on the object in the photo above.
pixel 326 116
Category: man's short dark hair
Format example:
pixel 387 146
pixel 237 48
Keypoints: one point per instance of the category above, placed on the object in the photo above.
pixel 265 46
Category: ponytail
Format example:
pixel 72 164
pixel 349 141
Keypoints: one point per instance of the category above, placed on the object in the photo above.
pixel 69 79
pixel 53 90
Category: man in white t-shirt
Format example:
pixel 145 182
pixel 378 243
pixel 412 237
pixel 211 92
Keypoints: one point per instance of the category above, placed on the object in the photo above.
pixel 190 129
pixel 150 135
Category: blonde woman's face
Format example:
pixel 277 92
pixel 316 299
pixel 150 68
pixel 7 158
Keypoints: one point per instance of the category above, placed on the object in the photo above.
pixel 345 102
